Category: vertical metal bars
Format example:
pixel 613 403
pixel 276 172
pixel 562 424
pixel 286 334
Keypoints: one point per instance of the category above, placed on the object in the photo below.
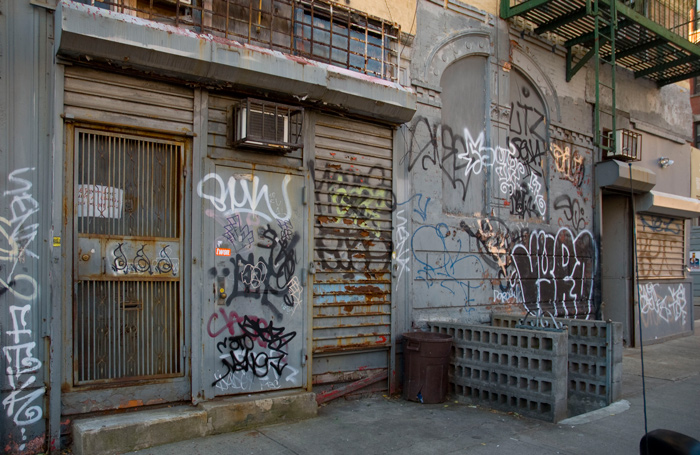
pixel 320 30
pixel 127 330
pixel 127 186
pixel 127 326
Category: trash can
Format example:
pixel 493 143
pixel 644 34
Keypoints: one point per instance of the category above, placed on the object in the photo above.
pixel 426 359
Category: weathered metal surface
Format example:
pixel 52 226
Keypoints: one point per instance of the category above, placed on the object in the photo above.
pixel 127 331
pixel 218 148
pixel 117 99
pixel 127 258
pixel 25 227
pixel 352 229
pixel 660 247
pixel 128 313
pixel 254 251
pixel 329 395
pixel 167 51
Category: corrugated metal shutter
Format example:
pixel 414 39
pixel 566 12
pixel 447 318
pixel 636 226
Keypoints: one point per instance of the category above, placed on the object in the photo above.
pixel 352 252
pixel 121 100
pixel 660 247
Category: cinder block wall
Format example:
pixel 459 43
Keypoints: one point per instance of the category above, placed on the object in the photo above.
pixel 518 370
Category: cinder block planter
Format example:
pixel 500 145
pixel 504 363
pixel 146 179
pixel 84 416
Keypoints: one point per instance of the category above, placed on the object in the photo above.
pixel 509 369
pixel 594 361
pixel 545 374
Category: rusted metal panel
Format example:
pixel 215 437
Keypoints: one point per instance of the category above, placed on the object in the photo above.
pixel 352 249
pixel 660 247
pixel 117 99
pixel 127 331
pixel 105 258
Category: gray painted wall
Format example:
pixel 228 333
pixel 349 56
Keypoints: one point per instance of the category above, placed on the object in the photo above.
pixel 495 205
pixel 25 224
pixel 514 193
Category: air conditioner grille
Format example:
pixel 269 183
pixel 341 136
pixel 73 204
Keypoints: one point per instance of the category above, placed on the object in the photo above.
pixel 265 125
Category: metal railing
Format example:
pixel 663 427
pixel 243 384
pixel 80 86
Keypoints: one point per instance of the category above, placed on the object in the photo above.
pixel 318 30
pixel 677 16
pixel 674 15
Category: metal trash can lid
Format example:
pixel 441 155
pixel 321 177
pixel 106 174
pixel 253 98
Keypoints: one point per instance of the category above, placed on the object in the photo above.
pixel 428 337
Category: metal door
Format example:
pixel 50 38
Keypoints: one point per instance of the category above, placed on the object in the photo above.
pixel 257 254
pixel 127 311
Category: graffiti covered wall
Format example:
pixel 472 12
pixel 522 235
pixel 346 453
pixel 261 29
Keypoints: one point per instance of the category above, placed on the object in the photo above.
pixel 25 163
pixel 23 384
pixel 499 215
pixel 666 309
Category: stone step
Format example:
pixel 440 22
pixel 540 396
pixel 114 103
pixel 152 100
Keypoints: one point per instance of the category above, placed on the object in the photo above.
pixel 127 432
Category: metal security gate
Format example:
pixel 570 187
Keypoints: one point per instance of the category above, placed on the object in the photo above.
pixel 352 250
pixel 660 247
pixel 127 310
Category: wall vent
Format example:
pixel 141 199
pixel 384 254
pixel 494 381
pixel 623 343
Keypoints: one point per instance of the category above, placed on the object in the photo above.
pixel 265 125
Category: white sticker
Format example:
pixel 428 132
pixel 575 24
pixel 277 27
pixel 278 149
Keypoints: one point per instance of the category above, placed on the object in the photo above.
pixel 100 201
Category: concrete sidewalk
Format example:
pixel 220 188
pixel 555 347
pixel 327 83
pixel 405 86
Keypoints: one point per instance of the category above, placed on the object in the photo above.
pixel 382 425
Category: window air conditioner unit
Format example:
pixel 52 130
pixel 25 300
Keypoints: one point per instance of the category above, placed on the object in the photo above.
pixel 628 145
pixel 264 125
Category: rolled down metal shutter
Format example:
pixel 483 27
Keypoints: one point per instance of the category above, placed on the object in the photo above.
pixel 120 100
pixel 352 249
pixel 660 247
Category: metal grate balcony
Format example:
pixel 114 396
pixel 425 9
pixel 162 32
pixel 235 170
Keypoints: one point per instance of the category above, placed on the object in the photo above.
pixel 318 30
pixel 653 37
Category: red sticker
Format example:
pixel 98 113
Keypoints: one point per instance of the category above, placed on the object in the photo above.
pixel 223 252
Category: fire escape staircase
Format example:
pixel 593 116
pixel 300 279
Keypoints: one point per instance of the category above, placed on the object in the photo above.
pixel 648 37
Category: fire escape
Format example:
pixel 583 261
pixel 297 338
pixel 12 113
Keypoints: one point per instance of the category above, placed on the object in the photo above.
pixel 649 37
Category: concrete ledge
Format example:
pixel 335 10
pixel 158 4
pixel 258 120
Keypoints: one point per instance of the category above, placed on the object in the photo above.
pixel 236 413
pixel 115 434
pixel 111 435
pixel 131 42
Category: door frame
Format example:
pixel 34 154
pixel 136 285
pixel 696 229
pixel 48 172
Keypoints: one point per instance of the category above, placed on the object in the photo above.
pixel 101 397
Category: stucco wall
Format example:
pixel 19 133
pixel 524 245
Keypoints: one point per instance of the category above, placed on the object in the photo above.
pixel 399 11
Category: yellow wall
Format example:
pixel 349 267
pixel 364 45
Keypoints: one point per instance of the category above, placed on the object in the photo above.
pixel 400 11
pixel 695 173
pixel 490 6
pixel 403 11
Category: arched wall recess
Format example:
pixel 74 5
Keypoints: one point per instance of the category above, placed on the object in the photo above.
pixel 531 70
pixel 453 48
